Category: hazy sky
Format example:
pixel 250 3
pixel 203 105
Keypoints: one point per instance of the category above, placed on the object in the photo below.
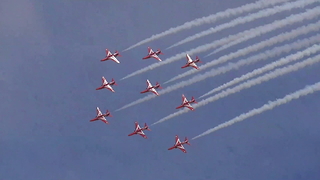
pixel 50 66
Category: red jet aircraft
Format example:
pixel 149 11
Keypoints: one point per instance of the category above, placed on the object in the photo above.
pixel 107 85
pixel 192 63
pixel 139 130
pixel 186 103
pixel 179 145
pixel 110 56
pixel 101 116
pixel 151 88
pixel 152 54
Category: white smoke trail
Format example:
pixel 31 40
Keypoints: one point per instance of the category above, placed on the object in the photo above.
pixel 211 19
pixel 311 13
pixel 293 57
pixel 214 72
pixel 271 75
pixel 251 17
pixel 255 47
pixel 269 106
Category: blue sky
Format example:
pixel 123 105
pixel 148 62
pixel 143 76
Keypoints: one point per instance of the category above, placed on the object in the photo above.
pixel 50 66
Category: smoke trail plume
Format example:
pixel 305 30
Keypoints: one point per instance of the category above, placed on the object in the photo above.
pixel 271 75
pixel 255 47
pixel 251 17
pixel 293 57
pixel 224 69
pixel 310 14
pixel 269 106
pixel 210 19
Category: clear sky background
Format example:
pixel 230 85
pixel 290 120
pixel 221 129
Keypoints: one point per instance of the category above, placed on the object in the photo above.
pixel 50 66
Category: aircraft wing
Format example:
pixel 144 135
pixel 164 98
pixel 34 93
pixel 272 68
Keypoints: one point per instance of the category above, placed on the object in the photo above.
pixel 104 81
pixel 149 85
pixel 113 58
pixel 108 53
pixel 154 91
pixel 184 99
pixel 194 65
pixel 98 112
pixel 188 105
pixel 177 141
pixel 156 57
pixel 150 51
pixel 102 118
pixel 141 133
pixel 189 60
pixel 137 127
pixel 110 88
pixel 182 148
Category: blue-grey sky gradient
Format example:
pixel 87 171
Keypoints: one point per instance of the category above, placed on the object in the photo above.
pixel 50 66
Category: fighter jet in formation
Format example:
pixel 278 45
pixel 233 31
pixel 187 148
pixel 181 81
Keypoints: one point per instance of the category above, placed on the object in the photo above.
pixel 152 54
pixel 139 130
pixel 186 103
pixel 106 84
pixel 192 63
pixel 110 56
pixel 101 117
pixel 151 88
pixel 179 145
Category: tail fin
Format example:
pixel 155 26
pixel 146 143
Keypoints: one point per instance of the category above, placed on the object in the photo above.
pixel 117 53
pixel 113 81
pixel 158 85
pixel 187 141
pixel 198 60
pixel 193 100
pixel 160 52
pixel 146 127
pixel 108 112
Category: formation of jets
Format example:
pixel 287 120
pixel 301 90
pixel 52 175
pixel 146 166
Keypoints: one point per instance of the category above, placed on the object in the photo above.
pixel 150 88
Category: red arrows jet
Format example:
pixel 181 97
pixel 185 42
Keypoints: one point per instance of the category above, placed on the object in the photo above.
pixel 178 144
pixel 152 54
pixel 192 63
pixel 139 130
pixel 151 88
pixel 101 116
pixel 107 85
pixel 186 103
pixel 110 56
